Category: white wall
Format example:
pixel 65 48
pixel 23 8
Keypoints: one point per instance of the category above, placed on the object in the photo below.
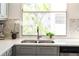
pixel 14 10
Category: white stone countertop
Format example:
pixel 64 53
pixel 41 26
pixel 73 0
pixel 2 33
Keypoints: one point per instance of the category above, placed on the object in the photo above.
pixel 8 43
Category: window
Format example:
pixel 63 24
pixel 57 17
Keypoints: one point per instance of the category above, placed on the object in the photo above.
pixel 46 17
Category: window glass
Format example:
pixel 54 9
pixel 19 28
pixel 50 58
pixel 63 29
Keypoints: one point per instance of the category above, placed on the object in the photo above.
pixel 50 21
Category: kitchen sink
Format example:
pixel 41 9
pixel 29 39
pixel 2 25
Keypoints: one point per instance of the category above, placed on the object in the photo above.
pixel 37 41
pixel 46 41
pixel 29 41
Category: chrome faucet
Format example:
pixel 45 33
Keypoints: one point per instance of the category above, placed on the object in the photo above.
pixel 38 36
pixel 37 32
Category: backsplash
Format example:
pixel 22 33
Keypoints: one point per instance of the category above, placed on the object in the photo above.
pixel 9 26
pixel 73 20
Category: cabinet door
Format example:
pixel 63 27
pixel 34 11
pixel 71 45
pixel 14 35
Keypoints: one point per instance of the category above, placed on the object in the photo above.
pixel 3 10
pixel 25 50
pixel 4 54
pixel 47 51
pixel 9 52
pixel 0 9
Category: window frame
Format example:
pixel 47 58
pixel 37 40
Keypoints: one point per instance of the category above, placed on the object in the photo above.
pixel 42 12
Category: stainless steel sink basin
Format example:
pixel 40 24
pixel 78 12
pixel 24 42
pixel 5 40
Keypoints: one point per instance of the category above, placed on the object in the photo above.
pixel 29 41
pixel 36 41
pixel 46 41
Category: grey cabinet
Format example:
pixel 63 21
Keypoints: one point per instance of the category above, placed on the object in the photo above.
pixel 7 53
pixel 4 54
pixel 35 50
pixel 23 50
pixel 47 51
